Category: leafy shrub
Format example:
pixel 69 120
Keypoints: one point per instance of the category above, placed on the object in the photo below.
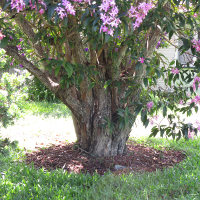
pixel 13 91
pixel 37 91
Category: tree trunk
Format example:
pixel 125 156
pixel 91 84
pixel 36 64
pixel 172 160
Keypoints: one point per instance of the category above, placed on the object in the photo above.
pixel 99 132
pixel 98 140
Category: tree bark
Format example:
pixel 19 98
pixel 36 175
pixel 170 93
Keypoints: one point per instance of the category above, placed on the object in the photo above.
pixel 94 135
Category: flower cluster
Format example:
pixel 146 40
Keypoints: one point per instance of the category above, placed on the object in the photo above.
pixel 66 7
pixel 196 79
pixel 139 13
pixel 196 100
pixel 160 42
pixel 109 12
pixel 19 5
pixel 149 105
pixel 83 1
pixel 196 44
pixel 141 60
pixel 175 70
pixel 1 36
pixel 34 6
pixel 190 134
pixel 153 119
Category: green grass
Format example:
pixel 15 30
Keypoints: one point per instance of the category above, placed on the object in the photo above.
pixel 19 181
pixel 45 108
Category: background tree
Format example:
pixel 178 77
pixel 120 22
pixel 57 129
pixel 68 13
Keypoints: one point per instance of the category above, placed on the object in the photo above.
pixel 99 59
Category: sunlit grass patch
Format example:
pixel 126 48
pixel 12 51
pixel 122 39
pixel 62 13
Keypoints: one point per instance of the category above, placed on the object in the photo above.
pixel 46 109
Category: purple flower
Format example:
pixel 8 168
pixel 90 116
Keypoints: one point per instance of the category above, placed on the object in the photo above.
pixel 41 11
pixel 175 71
pixel 1 35
pixel 19 47
pixel 149 105
pixel 196 79
pixel 20 65
pixel 141 60
pixel 190 134
pixel 61 12
pixel 86 49
pixel 181 102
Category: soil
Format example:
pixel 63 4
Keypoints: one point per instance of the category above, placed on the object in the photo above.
pixel 139 158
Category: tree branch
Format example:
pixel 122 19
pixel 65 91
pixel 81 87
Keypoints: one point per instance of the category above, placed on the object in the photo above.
pixel 68 97
pixel 43 77
pixel 28 30
pixel 115 67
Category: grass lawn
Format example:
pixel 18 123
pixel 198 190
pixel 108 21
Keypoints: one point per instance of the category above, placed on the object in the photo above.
pixel 21 182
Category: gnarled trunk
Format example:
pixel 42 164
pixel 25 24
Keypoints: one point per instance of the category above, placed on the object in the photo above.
pixel 100 141
pixel 98 133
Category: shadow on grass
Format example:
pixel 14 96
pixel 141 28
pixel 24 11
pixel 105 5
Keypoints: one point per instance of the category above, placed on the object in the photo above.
pixel 6 146
pixel 19 181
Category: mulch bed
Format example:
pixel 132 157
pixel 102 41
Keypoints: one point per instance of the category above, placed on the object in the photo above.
pixel 139 158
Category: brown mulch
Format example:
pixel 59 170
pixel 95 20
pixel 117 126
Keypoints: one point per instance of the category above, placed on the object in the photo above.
pixel 139 158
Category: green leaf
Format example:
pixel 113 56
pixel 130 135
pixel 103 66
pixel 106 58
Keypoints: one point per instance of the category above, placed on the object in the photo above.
pixel 107 83
pixel 171 33
pixel 164 111
pixel 57 70
pixel 154 131
pixel 138 109
pixel 145 80
pixel 172 62
pixel 69 69
pixel 186 43
pixel 3 42
pixel 144 117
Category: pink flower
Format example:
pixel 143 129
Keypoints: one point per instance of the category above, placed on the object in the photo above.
pixel 190 134
pixel 68 7
pixel 139 13
pixel 149 105
pixel 196 44
pixel 195 15
pixel 153 119
pixel 196 79
pixel 196 100
pixel 19 5
pixel 1 36
pixel 61 12
pixel 41 11
pixel 19 47
pixel 181 102
pixel 175 71
pixel 104 29
pixel 141 60
pixel 108 16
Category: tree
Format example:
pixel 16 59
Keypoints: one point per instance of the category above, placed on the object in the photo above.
pixel 99 59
